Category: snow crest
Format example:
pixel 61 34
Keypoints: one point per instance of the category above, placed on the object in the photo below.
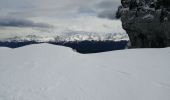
pixel 48 72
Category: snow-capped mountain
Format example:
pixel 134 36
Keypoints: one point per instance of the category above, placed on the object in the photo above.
pixel 81 42
pixel 69 37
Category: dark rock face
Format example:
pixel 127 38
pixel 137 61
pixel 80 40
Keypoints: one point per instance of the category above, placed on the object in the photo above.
pixel 147 22
pixel 166 2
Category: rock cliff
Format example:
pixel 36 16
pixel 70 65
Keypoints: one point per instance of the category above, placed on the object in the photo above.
pixel 147 22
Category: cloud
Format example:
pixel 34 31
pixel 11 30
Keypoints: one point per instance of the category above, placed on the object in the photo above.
pixel 86 15
pixel 19 22
pixel 107 8
pixel 107 14
pixel 59 8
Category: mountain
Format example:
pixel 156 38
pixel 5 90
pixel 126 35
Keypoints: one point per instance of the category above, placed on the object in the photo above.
pixel 146 22
pixel 81 42
pixel 67 37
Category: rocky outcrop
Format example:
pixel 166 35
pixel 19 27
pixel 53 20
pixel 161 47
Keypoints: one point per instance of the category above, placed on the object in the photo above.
pixel 147 22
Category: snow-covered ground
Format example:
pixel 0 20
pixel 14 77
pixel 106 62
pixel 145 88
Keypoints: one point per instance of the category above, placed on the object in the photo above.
pixel 49 72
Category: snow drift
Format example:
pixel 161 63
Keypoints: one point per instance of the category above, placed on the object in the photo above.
pixel 49 72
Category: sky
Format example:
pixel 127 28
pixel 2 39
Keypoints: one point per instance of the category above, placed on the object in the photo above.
pixel 58 16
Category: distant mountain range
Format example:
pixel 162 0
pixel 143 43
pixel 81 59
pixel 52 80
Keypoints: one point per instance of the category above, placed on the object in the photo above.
pixel 82 43
pixel 69 37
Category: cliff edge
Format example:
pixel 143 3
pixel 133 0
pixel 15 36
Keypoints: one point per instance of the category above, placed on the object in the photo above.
pixel 147 22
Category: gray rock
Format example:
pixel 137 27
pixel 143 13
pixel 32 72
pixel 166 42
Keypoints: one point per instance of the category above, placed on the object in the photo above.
pixel 147 22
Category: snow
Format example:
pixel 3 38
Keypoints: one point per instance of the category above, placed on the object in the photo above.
pixel 67 37
pixel 50 72
pixel 148 17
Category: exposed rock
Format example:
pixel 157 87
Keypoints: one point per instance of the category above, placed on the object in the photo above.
pixel 147 22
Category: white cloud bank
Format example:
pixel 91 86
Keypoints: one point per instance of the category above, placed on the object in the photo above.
pixel 64 15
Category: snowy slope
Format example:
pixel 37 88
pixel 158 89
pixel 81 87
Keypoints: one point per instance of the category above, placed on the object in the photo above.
pixel 49 72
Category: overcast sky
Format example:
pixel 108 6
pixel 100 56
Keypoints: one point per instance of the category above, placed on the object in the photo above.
pixel 55 16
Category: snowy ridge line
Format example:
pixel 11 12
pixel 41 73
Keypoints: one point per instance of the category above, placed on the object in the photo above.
pixel 67 37
pixel 49 72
